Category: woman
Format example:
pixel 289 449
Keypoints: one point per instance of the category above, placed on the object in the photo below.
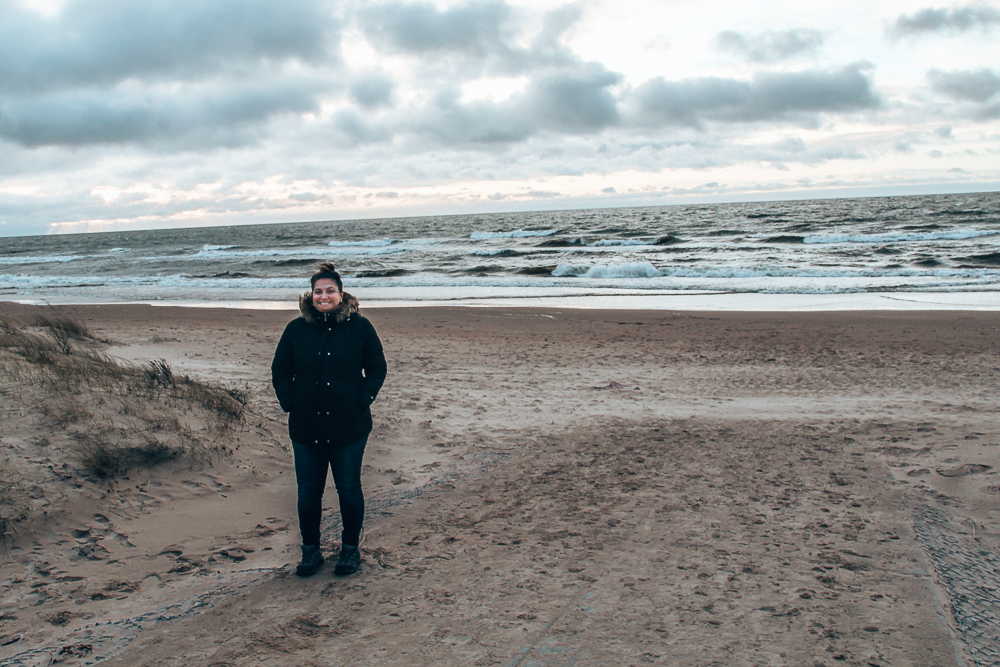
pixel 327 370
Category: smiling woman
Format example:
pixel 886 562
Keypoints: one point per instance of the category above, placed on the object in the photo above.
pixel 327 370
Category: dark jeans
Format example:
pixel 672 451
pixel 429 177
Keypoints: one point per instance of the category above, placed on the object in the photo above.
pixel 310 475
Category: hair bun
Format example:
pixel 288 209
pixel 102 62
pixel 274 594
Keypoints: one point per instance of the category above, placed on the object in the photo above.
pixel 326 267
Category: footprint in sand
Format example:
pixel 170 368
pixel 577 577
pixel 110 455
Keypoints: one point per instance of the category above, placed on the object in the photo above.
pixel 918 472
pixel 963 470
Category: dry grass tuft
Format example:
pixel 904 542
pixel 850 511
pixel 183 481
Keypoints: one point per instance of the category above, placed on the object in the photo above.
pixel 114 415
pixel 67 325
pixel 12 504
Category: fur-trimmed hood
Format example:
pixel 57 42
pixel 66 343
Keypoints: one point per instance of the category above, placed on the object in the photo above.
pixel 349 306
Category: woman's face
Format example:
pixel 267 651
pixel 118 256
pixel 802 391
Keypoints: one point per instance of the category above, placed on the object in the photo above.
pixel 326 296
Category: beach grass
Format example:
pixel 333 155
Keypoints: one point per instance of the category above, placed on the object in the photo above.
pixel 100 415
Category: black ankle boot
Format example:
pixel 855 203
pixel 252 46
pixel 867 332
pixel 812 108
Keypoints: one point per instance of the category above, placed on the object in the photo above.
pixel 350 559
pixel 312 559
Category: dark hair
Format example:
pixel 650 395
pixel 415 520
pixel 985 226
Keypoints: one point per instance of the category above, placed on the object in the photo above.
pixel 329 271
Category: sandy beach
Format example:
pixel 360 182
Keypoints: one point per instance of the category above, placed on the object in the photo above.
pixel 546 487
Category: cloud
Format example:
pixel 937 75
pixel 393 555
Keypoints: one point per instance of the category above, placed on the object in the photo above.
pixel 991 112
pixel 956 20
pixel 476 29
pixel 178 74
pixel 770 46
pixel 965 85
pixel 445 119
pixel 576 100
pixel 99 43
pixel 769 96
pixel 488 36
pixel 353 130
pixel 375 90
pixel 203 114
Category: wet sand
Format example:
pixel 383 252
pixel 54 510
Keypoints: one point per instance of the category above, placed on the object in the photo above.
pixel 555 487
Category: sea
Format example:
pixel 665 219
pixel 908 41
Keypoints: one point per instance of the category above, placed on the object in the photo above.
pixel 934 251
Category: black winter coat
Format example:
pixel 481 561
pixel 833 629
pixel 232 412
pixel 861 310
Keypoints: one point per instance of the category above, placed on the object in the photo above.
pixel 327 370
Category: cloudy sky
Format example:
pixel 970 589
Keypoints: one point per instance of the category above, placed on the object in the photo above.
pixel 120 115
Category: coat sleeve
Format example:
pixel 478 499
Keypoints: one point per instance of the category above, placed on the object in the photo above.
pixel 283 371
pixel 373 363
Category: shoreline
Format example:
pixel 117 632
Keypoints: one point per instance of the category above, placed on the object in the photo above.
pixel 720 302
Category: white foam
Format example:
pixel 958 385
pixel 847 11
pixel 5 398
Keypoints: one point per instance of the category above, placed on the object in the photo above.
pixel 374 243
pixel 604 243
pixel 647 270
pixel 517 234
pixel 40 259
pixel 606 271
pixel 898 237
pixel 304 253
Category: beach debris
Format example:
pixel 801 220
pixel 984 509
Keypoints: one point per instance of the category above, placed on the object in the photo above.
pixel 963 470
pixel 77 650
pixel 380 555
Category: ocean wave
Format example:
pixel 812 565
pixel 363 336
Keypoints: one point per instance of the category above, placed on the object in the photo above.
pixel 180 281
pixel 606 243
pixel 517 234
pixel 120 250
pixel 647 270
pixel 608 271
pixel 500 252
pixel 640 276
pixel 40 259
pixel 220 252
pixel 210 248
pixel 953 235
pixel 666 239
pixel 374 243
pixel 306 253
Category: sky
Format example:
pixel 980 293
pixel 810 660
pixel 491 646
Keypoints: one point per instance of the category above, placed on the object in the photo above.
pixel 122 115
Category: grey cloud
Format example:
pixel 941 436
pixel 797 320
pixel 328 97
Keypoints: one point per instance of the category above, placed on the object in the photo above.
pixel 944 131
pixel 770 46
pixel 102 42
pixel 568 101
pixel 482 36
pixel 575 101
pixel 955 20
pixel 450 121
pixel 207 114
pixel 554 26
pixel 991 112
pixel 770 96
pixel 420 27
pixel 373 91
pixel 354 130
pixel 966 85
